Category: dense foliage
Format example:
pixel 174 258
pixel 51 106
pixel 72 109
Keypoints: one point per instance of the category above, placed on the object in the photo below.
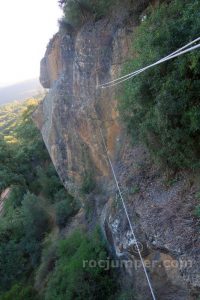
pixel 71 279
pixel 77 12
pixel 65 208
pixel 19 292
pixel 161 107
pixel 36 262
pixel 34 193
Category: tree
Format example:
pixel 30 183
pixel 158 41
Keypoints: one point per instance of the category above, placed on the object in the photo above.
pixel 78 12
pixel 65 208
pixel 71 280
pixel 35 218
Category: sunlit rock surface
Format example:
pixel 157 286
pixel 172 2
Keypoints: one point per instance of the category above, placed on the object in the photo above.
pixel 70 118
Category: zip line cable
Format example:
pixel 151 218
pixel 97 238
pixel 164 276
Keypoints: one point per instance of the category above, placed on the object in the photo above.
pixel 131 75
pixel 127 215
pixel 174 54
pixel 180 49
pixel 117 81
pixel 142 70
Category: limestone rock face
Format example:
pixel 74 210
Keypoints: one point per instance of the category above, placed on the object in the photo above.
pixel 54 63
pixel 70 115
pixel 72 119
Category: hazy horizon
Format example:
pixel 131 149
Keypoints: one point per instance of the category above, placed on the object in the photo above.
pixel 20 91
pixel 25 29
pixel 18 82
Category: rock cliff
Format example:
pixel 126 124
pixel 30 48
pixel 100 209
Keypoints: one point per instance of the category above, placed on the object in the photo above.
pixel 70 118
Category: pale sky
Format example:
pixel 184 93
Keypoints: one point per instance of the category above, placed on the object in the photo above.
pixel 25 29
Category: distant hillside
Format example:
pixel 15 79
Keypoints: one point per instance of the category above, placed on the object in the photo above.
pixel 10 115
pixel 20 91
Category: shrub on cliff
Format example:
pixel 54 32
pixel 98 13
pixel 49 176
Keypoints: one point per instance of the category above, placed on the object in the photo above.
pixel 48 181
pixel 88 183
pixel 66 207
pixel 161 107
pixel 35 218
pixel 77 12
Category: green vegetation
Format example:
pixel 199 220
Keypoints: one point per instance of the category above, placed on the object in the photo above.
pixel 9 115
pixel 88 184
pixel 134 190
pixel 35 194
pixel 36 261
pixel 198 195
pixel 160 107
pixel 197 211
pixel 65 208
pixel 197 208
pixel 71 279
pixel 19 292
pixel 128 295
pixel 77 12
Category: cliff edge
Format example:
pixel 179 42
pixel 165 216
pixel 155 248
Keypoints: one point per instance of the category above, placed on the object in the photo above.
pixel 70 118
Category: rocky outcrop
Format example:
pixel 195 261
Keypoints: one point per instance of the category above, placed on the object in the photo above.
pixel 70 114
pixel 54 64
pixel 70 118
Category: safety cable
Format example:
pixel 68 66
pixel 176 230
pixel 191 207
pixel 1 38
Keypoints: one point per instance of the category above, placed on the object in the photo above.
pixel 174 54
pixel 127 215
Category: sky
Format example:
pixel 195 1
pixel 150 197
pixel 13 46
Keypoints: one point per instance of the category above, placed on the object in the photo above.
pixel 25 29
